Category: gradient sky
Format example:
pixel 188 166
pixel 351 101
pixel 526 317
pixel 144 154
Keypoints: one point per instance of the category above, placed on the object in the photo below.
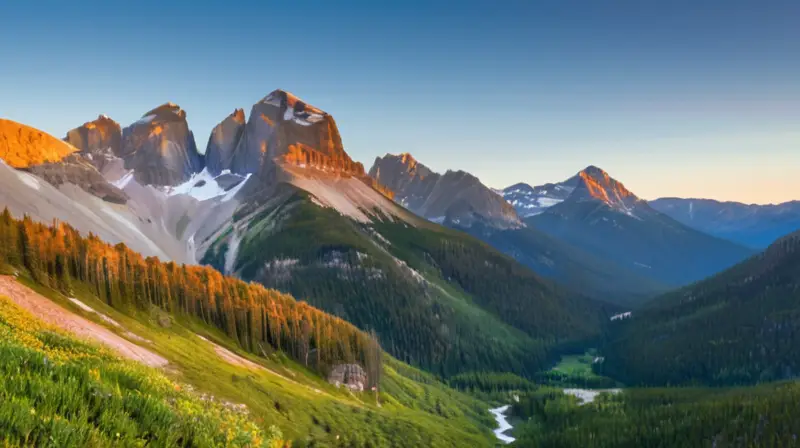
pixel 678 98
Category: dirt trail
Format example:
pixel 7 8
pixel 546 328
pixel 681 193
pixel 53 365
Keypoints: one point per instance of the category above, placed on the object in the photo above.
pixel 44 309
pixel 234 359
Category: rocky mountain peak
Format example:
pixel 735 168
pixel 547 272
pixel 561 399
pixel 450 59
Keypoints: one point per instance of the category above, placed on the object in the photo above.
pixel 284 130
pixel 398 165
pixel 99 140
pixel 237 115
pixel 222 142
pixel 160 147
pixel 596 184
pixel 166 111
pixel 456 198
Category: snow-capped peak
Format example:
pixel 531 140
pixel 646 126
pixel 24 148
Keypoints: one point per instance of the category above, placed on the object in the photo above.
pixel 530 201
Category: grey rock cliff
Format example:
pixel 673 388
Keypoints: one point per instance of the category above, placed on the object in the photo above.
pixel 223 141
pixel 160 148
pixel 456 197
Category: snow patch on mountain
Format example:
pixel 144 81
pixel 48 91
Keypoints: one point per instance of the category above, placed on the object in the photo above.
pixel 204 186
pixel 530 201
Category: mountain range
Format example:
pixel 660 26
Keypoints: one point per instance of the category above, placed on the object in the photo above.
pixel 588 231
pixel 276 199
pixel 603 217
pixel 751 225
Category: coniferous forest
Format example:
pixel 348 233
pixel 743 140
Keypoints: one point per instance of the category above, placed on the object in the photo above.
pixel 763 416
pixel 738 327
pixel 437 298
pixel 259 319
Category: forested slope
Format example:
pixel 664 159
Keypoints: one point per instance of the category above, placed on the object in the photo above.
pixel 763 416
pixel 437 298
pixel 737 327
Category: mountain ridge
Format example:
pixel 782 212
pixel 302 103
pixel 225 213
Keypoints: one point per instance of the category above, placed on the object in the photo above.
pixel 602 216
pixel 456 196
pixel 753 225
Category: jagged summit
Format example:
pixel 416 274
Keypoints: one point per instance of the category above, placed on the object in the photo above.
pixel 282 129
pixel 160 148
pixel 237 115
pixel 595 184
pixel 401 164
pixel 222 142
pixel 99 140
pixel 166 111
pixel 457 198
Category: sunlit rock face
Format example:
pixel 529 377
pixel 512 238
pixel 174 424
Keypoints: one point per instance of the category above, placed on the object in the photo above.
pixel 594 183
pixel 456 198
pixel 160 148
pixel 282 129
pixel 99 141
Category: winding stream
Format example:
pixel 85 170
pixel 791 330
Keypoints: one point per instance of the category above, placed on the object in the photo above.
pixel 584 396
pixel 502 423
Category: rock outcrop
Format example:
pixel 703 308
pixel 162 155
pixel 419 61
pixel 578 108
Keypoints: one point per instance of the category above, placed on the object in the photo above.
pixel 160 148
pixel 77 170
pixel 223 141
pixel 22 146
pixel 351 376
pixel 99 140
pixel 456 198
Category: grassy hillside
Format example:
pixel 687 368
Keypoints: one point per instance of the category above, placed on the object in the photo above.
pixel 212 356
pixel 61 392
pixel 303 407
pixel 437 298
pixel 738 327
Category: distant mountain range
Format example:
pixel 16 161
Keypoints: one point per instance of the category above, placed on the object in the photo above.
pixel 460 201
pixel 751 225
pixel 604 218
pixel 588 231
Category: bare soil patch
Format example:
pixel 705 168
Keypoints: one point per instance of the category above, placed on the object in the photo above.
pixel 44 309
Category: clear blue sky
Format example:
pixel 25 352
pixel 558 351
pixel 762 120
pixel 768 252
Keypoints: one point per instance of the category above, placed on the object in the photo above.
pixel 683 98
